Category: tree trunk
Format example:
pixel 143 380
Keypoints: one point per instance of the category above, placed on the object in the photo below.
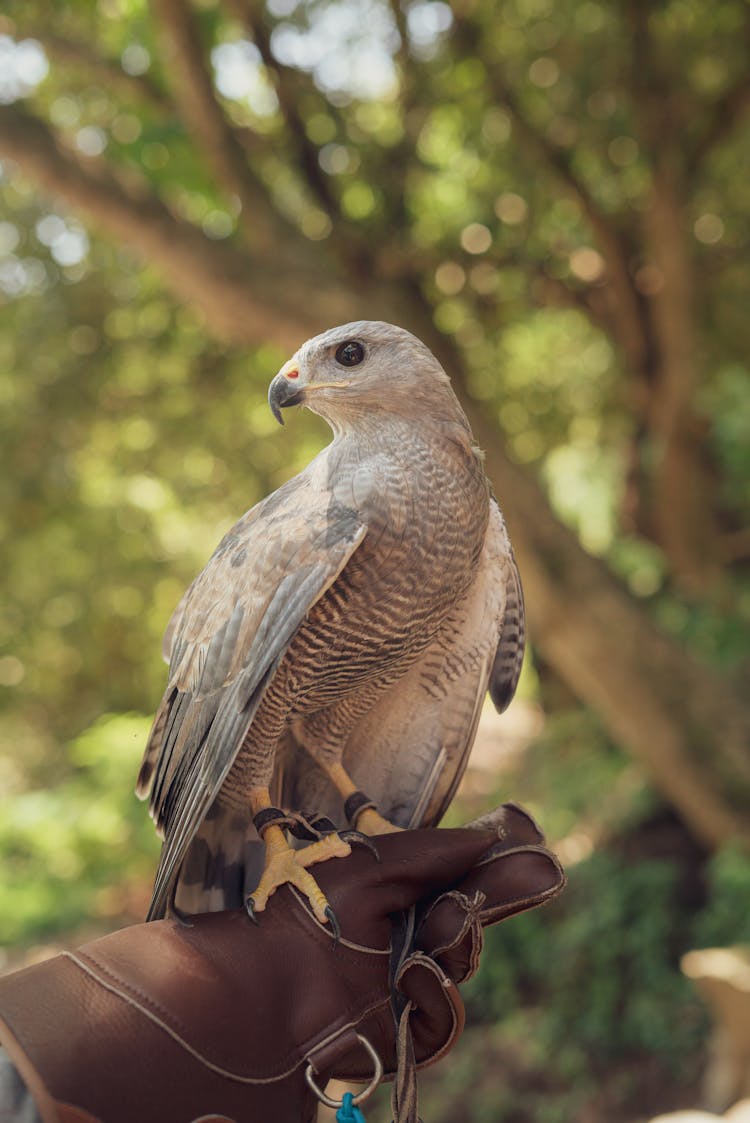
pixel 682 498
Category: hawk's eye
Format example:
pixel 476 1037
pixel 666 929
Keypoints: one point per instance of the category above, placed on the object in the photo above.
pixel 349 354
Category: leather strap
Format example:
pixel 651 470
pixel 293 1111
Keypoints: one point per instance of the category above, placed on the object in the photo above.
pixel 310 829
pixel 404 1090
pixel 404 1104
pixel 355 804
pixel 271 817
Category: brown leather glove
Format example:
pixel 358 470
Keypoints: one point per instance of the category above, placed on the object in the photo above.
pixel 163 1023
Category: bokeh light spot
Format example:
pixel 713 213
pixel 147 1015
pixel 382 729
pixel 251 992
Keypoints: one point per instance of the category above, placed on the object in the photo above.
pixel 476 238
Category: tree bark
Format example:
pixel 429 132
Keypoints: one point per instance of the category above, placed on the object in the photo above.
pixel 682 501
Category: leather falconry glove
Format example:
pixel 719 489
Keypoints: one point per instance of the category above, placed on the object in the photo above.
pixel 223 1019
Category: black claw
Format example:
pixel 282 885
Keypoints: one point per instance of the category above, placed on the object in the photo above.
pixel 250 910
pixel 181 917
pixel 356 838
pixel 331 918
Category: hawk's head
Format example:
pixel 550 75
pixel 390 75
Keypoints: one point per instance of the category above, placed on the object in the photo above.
pixel 359 369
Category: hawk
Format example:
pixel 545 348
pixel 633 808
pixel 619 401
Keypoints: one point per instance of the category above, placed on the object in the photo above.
pixel 340 640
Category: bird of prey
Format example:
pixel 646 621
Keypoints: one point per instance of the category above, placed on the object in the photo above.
pixel 335 652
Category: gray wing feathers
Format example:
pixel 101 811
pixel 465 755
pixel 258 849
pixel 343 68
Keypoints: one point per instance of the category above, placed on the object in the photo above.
pixel 223 652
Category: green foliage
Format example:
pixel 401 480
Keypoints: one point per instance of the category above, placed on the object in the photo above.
pixel 583 987
pixel 579 1007
pixel 725 920
pixel 583 1000
pixel 70 853
pixel 725 400
pixel 591 985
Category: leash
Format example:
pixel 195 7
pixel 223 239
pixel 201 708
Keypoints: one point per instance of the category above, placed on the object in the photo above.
pixel 404 1093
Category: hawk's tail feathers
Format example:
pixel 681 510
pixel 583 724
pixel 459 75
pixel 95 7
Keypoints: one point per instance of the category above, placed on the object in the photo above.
pixel 223 864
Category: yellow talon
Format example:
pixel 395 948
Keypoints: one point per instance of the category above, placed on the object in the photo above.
pixel 331 846
pixel 370 822
pixel 285 866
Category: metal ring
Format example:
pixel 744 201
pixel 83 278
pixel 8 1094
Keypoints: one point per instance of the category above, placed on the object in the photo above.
pixel 361 1096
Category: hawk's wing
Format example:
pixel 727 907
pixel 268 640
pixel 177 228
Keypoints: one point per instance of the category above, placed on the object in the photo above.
pixel 409 753
pixel 225 642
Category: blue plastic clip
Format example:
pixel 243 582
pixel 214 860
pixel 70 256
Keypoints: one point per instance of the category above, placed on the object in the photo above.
pixel 348 1113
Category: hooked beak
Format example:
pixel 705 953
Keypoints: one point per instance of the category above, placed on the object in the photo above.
pixel 283 393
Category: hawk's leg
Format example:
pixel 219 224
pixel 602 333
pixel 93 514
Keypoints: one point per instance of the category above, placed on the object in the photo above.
pixel 368 820
pixel 284 866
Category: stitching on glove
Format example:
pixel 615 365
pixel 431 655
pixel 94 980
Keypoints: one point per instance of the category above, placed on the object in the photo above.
pixel 471 926
pixel 325 929
pixel 364 1012
pixel 95 968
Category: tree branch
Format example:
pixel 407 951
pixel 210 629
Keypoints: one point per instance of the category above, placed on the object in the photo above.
pixel 683 483
pixel 614 247
pixel 250 14
pixel 657 113
pixel 241 303
pixel 347 239
pixel 347 242
pixel 203 115
pixel 399 18
pixel 108 71
pixel 400 159
pixel 632 329
pixel 726 114
pixel 353 250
